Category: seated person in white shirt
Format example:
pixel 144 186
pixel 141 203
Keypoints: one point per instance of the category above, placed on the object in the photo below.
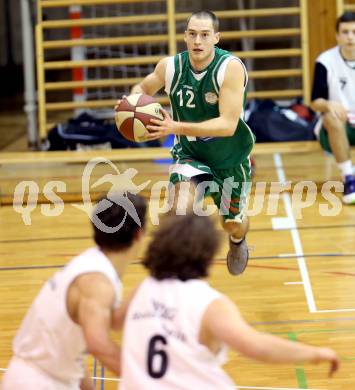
pixel 334 97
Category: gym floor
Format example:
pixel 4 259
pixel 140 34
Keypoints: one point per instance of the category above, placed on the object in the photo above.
pixel 299 283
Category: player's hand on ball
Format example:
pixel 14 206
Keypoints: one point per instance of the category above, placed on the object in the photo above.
pixel 161 128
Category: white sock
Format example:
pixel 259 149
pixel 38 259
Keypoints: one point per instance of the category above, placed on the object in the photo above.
pixel 236 240
pixel 346 168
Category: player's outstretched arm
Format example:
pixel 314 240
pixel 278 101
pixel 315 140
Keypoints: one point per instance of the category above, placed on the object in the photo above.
pixel 95 316
pixel 230 106
pixel 224 322
pixel 152 83
pixel 335 109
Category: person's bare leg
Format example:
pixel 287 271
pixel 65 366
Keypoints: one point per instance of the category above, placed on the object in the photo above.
pixel 236 229
pixel 238 254
pixel 182 196
pixel 339 145
pixel 337 136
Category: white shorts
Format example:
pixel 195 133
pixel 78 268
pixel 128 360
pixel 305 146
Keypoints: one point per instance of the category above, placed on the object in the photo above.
pixel 21 375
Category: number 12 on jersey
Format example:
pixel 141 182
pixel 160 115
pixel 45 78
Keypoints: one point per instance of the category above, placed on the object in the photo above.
pixel 190 97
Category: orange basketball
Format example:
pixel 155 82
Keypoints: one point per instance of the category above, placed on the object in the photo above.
pixel 134 114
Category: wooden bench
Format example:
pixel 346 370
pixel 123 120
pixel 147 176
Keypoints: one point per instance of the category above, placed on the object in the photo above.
pixel 140 154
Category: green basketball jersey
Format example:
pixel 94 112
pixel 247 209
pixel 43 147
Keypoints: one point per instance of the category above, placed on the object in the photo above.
pixel 194 98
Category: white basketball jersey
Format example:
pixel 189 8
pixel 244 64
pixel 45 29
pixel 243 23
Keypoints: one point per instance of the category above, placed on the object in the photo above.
pixel 48 338
pixel 161 350
pixel 341 78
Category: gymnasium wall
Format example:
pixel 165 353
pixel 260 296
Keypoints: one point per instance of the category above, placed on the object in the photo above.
pixel 11 39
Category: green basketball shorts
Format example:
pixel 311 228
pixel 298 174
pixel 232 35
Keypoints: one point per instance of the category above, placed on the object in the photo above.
pixel 229 188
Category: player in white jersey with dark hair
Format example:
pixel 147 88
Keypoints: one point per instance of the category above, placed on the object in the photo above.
pixel 334 97
pixel 177 327
pixel 72 314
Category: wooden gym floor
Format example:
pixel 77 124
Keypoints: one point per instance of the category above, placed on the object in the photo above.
pixel 299 283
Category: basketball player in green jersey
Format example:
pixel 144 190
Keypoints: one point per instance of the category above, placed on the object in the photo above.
pixel 206 86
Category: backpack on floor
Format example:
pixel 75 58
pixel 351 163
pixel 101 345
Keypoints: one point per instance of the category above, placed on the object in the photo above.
pixel 88 132
pixel 272 123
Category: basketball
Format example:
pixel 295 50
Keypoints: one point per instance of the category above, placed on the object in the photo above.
pixel 134 114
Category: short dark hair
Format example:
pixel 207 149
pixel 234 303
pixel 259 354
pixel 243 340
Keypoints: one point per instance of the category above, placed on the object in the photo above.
pixel 203 15
pixel 346 17
pixel 113 217
pixel 182 248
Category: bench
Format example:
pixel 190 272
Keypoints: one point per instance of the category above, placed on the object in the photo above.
pixel 140 154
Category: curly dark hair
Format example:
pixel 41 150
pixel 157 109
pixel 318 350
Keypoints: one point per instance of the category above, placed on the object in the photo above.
pixel 113 216
pixel 182 248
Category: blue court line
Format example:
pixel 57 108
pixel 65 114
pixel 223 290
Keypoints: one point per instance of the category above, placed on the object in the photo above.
pixel 341 319
pixel 294 256
pixel 94 373
pixel 309 227
pixel 102 386
pixel 254 230
pixel 29 267
pixel 43 239
pixel 275 257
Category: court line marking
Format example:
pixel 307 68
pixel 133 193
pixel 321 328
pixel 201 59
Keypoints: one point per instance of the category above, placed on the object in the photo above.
pixel 272 388
pixel 236 387
pixel 217 261
pixel 40 239
pixel 309 227
pixel 314 320
pixel 293 255
pixel 335 310
pixel 307 331
pixel 299 370
pixel 295 237
pixel 290 283
pixel 29 267
pixel 25 240
pixel 298 245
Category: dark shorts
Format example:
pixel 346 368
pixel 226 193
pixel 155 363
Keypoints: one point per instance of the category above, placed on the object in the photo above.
pixel 324 141
pixel 229 188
